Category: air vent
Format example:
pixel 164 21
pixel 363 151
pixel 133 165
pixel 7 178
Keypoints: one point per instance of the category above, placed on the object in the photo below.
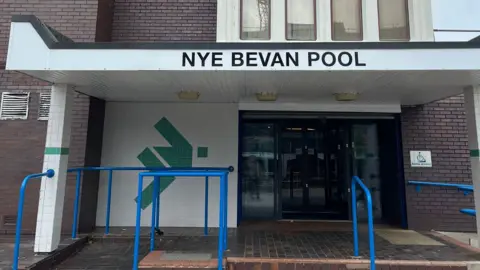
pixel 44 108
pixel 14 106
pixel 9 220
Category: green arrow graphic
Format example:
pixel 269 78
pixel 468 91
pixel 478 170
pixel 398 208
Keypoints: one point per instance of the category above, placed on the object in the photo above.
pixel 179 154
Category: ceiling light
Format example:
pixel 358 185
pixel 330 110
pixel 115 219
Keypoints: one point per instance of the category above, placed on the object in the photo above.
pixel 265 96
pixel 347 96
pixel 188 95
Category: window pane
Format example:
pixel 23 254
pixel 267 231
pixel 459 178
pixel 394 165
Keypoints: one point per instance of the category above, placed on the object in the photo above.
pixel 393 20
pixel 347 20
pixel 255 19
pixel 300 20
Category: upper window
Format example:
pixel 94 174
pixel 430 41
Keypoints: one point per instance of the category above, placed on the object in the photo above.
pixel 347 20
pixel 393 20
pixel 300 20
pixel 255 19
pixel 14 106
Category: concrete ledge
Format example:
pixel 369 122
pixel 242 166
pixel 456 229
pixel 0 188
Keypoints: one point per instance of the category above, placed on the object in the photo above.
pixel 65 250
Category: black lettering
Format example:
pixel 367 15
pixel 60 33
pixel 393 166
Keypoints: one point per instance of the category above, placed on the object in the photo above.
pixel 237 59
pixel 292 58
pixel 190 59
pixel 217 60
pixel 357 61
pixel 263 60
pixel 313 57
pixel 331 61
pixel 203 58
pixel 341 59
pixel 277 59
pixel 252 59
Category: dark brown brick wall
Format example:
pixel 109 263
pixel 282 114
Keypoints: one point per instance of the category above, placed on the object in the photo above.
pixel 165 20
pixel 22 142
pixel 441 128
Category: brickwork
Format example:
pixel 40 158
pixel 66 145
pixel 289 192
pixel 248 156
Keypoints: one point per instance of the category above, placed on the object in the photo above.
pixel 165 20
pixel 23 141
pixel 440 127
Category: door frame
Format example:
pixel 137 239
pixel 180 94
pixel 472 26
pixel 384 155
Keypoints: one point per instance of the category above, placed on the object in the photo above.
pixel 352 118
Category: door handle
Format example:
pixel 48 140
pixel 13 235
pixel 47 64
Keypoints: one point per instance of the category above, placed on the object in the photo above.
pixel 306 185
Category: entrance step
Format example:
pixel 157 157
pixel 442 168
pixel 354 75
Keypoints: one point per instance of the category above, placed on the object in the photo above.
pixel 159 259
pixel 304 264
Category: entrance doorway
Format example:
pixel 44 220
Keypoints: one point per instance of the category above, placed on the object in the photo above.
pixel 299 167
pixel 312 185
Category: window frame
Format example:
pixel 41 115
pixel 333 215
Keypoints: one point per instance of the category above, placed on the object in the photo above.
pixel 332 28
pixel 2 98
pixel 409 36
pixel 269 36
pixel 315 23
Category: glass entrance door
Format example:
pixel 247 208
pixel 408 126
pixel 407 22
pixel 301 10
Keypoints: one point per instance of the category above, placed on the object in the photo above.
pixel 311 180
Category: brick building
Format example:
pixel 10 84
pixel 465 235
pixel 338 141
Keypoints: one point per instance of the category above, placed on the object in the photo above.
pixel 295 140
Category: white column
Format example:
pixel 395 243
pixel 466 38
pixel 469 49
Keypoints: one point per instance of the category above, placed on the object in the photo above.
pixel 52 191
pixel 324 21
pixel 370 20
pixel 472 109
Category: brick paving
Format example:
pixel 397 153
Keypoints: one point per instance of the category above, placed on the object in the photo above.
pixel 116 252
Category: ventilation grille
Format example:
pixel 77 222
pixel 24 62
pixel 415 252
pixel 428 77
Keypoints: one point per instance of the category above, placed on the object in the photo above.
pixel 14 106
pixel 44 108
pixel 9 220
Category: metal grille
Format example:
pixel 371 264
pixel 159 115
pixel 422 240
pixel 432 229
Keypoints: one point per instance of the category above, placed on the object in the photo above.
pixel 9 220
pixel 14 105
pixel 44 108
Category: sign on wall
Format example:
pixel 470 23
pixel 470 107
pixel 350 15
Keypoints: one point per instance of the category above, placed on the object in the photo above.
pixel 421 159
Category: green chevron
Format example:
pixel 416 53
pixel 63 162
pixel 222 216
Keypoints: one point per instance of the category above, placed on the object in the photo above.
pixel 179 154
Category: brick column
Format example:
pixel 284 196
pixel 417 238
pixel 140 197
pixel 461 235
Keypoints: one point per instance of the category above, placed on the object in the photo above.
pixel 472 109
pixel 52 191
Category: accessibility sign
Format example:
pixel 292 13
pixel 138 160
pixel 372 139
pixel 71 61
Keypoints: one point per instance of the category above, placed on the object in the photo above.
pixel 421 159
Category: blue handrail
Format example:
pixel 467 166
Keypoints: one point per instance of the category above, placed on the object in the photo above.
pixel 156 207
pixel 223 209
pixel 461 187
pixel 467 189
pixel 356 180
pixel 16 251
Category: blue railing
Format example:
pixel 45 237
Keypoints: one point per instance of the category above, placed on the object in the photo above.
pixel 109 191
pixel 371 240
pixel 222 173
pixel 21 201
pixel 467 189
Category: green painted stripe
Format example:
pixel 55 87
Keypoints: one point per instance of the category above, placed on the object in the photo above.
pixel 475 153
pixel 56 151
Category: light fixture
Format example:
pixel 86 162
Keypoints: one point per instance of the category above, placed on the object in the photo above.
pixel 266 96
pixel 346 96
pixel 188 95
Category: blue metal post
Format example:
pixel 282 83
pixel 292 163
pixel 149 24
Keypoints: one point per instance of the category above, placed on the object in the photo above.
pixel 354 218
pixel 109 201
pixel 76 206
pixel 156 186
pixel 370 229
pixel 136 248
pixel 18 230
pixel 226 214
pixel 205 228
pixel 221 220
pixel 154 213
